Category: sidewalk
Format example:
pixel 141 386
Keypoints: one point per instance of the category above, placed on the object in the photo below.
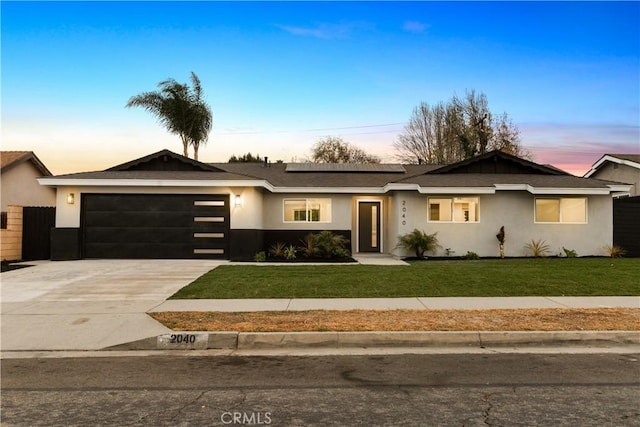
pixel 436 303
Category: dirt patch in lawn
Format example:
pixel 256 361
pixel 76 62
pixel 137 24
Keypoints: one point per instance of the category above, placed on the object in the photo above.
pixel 600 319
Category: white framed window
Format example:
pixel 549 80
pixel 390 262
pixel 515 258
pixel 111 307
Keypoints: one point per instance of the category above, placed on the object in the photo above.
pixel 454 209
pixel 561 210
pixel 307 210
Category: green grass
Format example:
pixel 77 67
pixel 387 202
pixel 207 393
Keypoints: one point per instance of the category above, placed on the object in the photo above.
pixel 488 278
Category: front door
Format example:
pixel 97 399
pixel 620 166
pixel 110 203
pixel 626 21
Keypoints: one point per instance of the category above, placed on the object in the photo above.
pixel 369 226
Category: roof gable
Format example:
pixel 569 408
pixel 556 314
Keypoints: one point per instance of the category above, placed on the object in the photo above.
pixel 498 162
pixel 164 160
pixel 631 160
pixel 10 159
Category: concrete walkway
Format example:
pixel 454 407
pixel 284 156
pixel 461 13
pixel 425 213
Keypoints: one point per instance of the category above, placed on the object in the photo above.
pixel 466 303
pixel 95 304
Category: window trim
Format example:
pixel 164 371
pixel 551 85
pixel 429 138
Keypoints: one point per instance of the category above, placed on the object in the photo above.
pixel 452 199
pixel 308 210
pixel 560 221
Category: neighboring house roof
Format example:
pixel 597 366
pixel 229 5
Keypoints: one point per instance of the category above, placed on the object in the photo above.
pixel 487 173
pixel 11 159
pixel 632 160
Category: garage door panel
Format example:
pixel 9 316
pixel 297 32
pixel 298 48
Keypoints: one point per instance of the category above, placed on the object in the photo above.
pixel 137 202
pixel 155 226
pixel 140 250
pixel 137 235
pixel 137 219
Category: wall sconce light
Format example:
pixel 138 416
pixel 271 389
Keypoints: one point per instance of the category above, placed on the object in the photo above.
pixel 71 198
pixel 237 200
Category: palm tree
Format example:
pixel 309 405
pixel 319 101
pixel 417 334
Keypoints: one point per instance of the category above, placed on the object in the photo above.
pixel 419 242
pixel 181 109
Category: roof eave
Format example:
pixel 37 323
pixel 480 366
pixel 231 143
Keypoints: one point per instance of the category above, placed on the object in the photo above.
pixel 96 182
pixel 609 158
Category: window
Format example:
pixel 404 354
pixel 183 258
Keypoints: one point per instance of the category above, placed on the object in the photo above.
pixel 454 209
pixel 307 210
pixel 561 210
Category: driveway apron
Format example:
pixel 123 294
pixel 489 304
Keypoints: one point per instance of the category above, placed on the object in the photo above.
pixel 88 304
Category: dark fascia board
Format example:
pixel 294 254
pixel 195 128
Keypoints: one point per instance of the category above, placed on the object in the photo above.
pixel 29 156
pixel 165 152
pixel 504 156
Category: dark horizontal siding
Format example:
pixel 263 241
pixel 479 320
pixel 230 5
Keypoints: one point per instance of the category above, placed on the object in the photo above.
pixel 626 225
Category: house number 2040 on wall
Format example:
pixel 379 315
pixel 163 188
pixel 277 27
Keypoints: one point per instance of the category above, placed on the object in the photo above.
pixel 403 215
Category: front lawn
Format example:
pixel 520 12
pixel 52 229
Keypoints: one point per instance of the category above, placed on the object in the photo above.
pixel 481 278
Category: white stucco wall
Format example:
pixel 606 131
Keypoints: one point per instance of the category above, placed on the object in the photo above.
pixel 20 187
pixel 513 210
pixel 340 212
pixel 249 214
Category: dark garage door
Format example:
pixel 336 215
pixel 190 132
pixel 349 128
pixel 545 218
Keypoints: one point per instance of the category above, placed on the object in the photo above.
pixel 155 226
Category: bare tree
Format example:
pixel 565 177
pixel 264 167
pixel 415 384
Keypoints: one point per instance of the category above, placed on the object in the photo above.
pixel 332 149
pixel 506 138
pixel 459 129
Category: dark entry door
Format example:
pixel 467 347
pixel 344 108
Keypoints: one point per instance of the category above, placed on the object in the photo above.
pixel 369 226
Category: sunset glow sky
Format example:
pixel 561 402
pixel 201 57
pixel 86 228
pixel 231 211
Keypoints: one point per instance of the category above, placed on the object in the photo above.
pixel 281 75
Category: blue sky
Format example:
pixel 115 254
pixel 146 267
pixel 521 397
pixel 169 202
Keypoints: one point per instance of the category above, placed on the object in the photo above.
pixel 281 75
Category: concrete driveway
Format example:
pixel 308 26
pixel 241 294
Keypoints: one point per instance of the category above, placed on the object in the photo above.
pixel 88 304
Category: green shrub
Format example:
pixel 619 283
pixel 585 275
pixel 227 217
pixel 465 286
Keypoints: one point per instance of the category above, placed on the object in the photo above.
pixel 538 248
pixel 614 251
pixel 277 250
pixel 260 257
pixel 290 253
pixel 570 253
pixel 331 245
pixel 418 242
pixel 325 244
pixel 471 255
pixel 308 248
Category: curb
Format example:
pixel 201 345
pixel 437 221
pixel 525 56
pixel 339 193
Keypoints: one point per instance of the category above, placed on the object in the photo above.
pixel 300 340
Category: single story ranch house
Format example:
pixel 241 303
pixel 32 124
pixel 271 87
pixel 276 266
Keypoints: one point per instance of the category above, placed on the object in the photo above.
pixel 165 205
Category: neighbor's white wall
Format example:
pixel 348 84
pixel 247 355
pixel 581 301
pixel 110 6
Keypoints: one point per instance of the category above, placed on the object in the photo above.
pixel 620 173
pixel 514 211
pixel 340 212
pixel 246 216
pixel 20 187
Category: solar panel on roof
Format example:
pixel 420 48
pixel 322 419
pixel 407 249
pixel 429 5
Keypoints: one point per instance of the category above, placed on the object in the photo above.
pixel 346 167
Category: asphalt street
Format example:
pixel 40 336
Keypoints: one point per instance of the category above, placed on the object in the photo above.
pixel 410 389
